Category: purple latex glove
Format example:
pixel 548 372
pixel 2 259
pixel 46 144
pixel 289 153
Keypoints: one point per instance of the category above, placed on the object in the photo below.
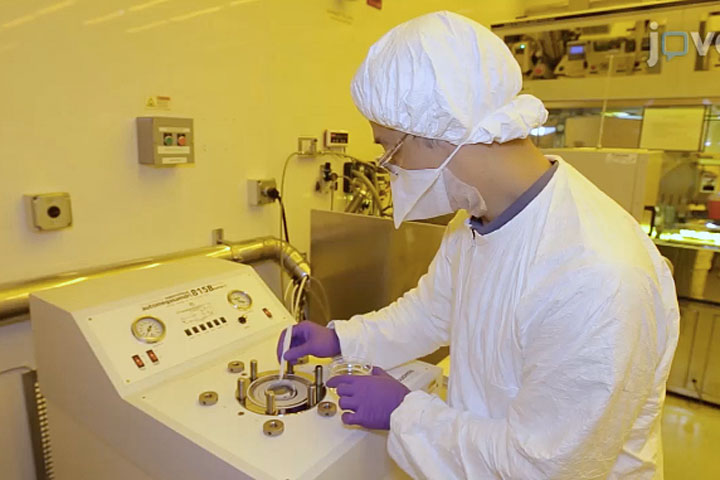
pixel 371 398
pixel 309 339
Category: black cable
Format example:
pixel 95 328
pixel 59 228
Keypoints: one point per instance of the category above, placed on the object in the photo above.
pixel 275 195
pixel 284 220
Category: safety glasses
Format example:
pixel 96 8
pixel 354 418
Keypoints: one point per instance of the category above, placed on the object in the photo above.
pixel 388 155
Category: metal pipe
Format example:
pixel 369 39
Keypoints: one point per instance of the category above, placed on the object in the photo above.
pixel 289 258
pixel 354 204
pixel 14 296
pixel 371 188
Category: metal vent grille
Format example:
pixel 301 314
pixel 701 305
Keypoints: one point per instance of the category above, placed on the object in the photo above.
pixel 39 427
pixel 595 30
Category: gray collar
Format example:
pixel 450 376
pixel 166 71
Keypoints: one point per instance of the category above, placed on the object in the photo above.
pixel 517 206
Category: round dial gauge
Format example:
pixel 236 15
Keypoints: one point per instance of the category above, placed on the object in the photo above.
pixel 239 299
pixel 148 329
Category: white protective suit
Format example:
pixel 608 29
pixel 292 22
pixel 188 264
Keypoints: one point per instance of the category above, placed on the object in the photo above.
pixel 562 325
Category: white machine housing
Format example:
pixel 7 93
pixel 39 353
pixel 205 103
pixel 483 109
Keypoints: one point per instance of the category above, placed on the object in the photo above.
pixel 110 418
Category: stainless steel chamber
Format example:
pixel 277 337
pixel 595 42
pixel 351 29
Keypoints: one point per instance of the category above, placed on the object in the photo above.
pixel 364 263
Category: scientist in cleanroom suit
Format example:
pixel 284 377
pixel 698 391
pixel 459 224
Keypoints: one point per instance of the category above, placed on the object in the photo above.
pixel 560 313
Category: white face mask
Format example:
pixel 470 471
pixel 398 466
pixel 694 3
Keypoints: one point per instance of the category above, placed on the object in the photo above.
pixel 417 194
pixel 463 196
pixel 428 193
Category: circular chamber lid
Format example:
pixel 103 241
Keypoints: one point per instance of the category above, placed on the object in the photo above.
pixel 291 393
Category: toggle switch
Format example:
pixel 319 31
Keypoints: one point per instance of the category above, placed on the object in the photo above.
pixel 151 355
pixel 138 361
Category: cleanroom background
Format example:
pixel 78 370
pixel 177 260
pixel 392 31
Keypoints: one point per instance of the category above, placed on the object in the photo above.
pixel 253 74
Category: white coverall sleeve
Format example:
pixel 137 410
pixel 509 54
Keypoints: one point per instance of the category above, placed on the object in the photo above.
pixel 416 324
pixel 589 348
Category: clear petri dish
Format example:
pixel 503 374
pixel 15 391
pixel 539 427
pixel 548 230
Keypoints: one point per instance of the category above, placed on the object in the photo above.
pixel 350 366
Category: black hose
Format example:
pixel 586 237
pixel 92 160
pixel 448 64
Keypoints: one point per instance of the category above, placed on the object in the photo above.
pixel 274 193
pixel 284 220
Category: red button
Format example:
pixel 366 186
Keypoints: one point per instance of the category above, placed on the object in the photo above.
pixel 138 361
pixel 152 356
pixel 267 313
pixel 181 140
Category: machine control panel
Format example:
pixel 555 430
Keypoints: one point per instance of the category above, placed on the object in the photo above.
pixel 165 141
pixel 208 404
pixel 163 329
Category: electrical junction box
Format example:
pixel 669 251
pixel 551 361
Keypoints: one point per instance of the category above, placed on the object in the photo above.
pixel 49 211
pixel 307 146
pixel 165 141
pixel 257 191
pixel 336 138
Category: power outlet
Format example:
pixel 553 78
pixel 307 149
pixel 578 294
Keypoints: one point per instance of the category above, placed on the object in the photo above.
pixel 307 146
pixel 258 191
pixel 49 211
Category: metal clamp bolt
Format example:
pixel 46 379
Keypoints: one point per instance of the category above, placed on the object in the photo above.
pixel 273 428
pixel 236 366
pixel 270 403
pixel 253 370
pixel 326 409
pixel 242 387
pixel 208 398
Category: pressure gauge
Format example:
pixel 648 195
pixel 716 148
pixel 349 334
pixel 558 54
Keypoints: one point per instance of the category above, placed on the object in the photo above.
pixel 239 299
pixel 148 329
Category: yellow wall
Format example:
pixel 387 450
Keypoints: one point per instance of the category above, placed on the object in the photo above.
pixel 253 74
